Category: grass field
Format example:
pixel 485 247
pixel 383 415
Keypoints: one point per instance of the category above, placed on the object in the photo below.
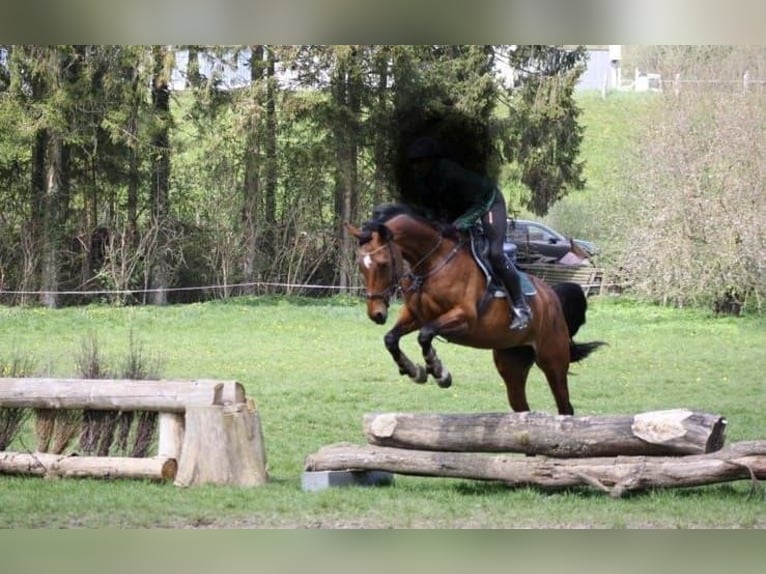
pixel 315 367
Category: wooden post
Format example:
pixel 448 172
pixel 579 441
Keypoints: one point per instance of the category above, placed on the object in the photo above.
pixel 672 432
pixel 223 444
pixel 171 435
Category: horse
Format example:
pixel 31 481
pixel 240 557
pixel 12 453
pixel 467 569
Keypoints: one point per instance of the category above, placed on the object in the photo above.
pixel 445 293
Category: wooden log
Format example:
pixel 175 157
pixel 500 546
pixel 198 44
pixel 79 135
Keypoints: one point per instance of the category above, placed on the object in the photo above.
pixel 54 465
pixel 614 475
pixel 115 394
pixel 673 432
pixel 222 445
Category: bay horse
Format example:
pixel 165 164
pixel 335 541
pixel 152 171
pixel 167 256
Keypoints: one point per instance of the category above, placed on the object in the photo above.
pixel 445 294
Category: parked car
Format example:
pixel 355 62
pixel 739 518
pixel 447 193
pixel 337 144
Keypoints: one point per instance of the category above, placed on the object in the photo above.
pixel 533 241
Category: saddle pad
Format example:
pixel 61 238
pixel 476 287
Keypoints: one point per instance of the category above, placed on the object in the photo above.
pixel 526 283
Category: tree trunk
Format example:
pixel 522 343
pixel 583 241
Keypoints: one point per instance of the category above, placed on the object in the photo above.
pixel 134 172
pixel 380 116
pixel 347 88
pixel 271 142
pixel 251 196
pixel 744 460
pixel 673 432
pixel 160 270
pixel 56 207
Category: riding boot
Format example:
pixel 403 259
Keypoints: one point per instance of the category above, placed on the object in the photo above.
pixel 521 314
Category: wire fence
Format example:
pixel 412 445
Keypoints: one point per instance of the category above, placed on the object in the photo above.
pixel 744 84
pixel 220 291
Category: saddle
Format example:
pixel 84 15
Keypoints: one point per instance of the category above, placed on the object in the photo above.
pixel 480 252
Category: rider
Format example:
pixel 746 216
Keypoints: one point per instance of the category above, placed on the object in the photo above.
pixel 444 187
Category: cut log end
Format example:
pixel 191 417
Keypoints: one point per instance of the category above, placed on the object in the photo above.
pixel 169 469
pixel 717 436
pixel 682 430
pixel 381 426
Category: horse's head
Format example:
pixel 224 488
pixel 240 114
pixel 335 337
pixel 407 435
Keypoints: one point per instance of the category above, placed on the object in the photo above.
pixel 380 263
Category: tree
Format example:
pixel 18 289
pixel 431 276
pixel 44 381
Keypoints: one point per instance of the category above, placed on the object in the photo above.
pixel 42 78
pixel 263 174
pixel 543 135
pixel 159 279
pixel 452 93
pixel 346 90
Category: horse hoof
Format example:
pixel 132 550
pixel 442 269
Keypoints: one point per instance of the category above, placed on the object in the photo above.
pixel 421 376
pixel 445 381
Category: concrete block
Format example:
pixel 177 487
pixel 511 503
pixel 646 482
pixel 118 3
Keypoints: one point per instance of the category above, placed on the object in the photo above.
pixel 312 481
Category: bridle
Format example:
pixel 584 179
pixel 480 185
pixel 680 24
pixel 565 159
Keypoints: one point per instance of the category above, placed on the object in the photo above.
pixel 393 285
pixel 416 280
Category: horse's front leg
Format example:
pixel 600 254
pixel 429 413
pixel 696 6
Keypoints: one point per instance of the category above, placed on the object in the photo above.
pixel 451 323
pixel 405 324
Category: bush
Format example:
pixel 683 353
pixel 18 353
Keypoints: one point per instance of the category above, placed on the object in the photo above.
pixel 700 217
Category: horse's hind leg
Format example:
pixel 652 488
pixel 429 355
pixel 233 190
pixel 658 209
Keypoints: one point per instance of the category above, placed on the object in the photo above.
pixel 513 365
pixel 555 365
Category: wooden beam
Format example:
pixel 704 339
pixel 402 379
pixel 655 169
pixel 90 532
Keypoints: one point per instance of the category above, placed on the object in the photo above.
pixel 672 432
pixel 116 394
pixel 54 465
pixel 614 475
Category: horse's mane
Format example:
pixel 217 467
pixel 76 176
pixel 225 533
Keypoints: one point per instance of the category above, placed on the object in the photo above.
pixel 384 212
pixel 387 211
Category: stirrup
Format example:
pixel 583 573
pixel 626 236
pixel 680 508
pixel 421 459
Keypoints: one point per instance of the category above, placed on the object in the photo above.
pixel 521 318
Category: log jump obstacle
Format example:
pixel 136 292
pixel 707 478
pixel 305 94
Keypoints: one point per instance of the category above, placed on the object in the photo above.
pixel 209 431
pixel 614 453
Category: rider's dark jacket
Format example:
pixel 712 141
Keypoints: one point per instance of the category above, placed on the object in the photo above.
pixel 451 191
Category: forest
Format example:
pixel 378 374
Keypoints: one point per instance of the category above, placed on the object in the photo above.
pixel 144 174
pixel 134 174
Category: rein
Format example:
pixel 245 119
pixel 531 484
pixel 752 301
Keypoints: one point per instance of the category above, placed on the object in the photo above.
pixel 418 280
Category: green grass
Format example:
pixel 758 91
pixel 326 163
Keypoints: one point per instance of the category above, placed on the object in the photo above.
pixel 314 368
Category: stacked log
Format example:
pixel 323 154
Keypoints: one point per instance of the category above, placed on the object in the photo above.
pixel 673 432
pixel 614 453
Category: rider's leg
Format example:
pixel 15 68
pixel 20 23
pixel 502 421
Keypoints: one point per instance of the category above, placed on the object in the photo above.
pixel 495 224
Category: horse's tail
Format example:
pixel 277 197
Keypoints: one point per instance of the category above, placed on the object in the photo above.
pixel 574 304
pixel 578 351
